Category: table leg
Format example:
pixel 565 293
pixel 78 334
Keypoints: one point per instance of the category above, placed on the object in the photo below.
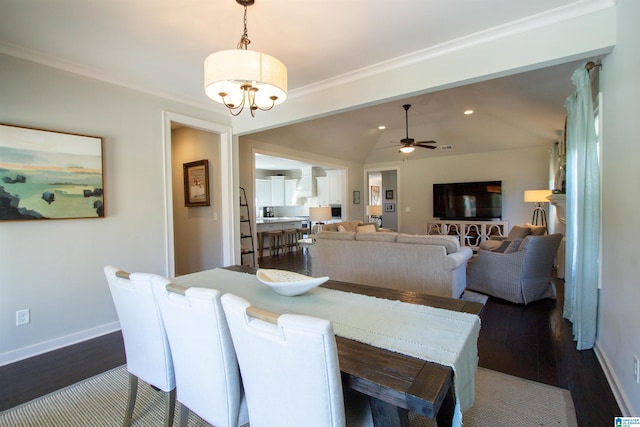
pixel 444 417
pixel 388 415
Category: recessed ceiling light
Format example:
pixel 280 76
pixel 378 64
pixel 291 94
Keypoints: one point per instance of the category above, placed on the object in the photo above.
pixel 382 127
pixel 468 112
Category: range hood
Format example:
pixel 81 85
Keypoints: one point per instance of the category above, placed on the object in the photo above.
pixel 305 183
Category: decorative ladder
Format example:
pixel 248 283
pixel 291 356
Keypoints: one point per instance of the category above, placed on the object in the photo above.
pixel 245 219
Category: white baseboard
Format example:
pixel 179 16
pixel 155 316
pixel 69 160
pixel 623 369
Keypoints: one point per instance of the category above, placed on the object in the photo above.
pixel 46 346
pixel 612 379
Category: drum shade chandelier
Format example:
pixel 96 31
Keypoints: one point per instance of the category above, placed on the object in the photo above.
pixel 240 77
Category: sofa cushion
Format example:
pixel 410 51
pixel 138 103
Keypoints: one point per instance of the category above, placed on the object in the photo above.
pixel 377 237
pixel 450 243
pixel 366 228
pixel 347 235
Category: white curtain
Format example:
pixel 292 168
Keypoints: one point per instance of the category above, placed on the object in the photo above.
pixel 583 213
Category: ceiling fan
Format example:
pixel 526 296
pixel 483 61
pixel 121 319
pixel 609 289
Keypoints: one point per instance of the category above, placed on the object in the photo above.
pixel 408 144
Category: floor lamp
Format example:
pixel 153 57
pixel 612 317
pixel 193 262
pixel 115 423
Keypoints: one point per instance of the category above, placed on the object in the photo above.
pixel 375 211
pixel 539 197
pixel 319 214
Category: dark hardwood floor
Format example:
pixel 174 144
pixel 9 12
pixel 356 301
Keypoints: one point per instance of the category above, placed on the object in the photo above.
pixel 532 342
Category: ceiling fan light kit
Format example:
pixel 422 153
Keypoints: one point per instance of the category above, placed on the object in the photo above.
pixel 409 144
pixel 240 77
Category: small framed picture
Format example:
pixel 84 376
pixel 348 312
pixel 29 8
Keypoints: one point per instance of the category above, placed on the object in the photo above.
pixel 356 197
pixel 196 183
pixel 389 207
pixel 388 195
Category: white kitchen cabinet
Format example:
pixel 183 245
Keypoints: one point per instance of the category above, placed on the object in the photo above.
pixel 335 187
pixel 322 185
pixel 290 188
pixel 263 192
pixel 277 191
pixel 330 188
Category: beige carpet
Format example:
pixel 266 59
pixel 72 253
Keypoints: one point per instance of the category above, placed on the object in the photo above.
pixel 501 400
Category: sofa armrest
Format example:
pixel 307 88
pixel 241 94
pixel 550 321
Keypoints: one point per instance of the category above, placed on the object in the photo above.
pixel 456 259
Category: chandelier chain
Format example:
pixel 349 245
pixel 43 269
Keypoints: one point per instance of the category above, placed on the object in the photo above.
pixel 244 39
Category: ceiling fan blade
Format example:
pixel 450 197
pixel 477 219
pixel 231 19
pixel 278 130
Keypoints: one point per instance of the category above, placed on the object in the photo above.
pixel 425 146
pixel 388 146
pixel 425 142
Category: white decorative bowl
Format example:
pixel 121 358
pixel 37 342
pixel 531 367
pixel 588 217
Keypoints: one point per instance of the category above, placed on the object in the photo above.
pixel 288 283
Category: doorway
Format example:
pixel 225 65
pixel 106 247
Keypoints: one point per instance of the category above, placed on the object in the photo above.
pixel 218 216
pixel 383 191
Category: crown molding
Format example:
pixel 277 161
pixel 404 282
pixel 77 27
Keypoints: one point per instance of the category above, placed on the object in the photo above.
pixel 53 61
pixel 533 22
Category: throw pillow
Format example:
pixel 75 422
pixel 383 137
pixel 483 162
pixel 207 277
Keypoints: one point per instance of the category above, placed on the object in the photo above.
pixel 513 246
pixel 518 232
pixel 342 229
pixel 537 230
pixel 366 229
pixel 499 248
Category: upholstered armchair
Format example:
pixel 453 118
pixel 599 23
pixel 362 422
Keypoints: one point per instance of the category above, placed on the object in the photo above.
pixel 521 274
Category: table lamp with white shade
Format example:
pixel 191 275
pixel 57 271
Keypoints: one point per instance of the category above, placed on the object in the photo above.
pixel 319 214
pixel 375 211
pixel 539 197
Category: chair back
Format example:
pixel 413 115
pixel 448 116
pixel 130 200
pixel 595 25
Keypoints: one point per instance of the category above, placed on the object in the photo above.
pixel 207 375
pixel 145 340
pixel 540 252
pixel 289 368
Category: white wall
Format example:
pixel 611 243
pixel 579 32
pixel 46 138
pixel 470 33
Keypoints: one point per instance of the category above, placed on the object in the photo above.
pixel 619 317
pixel 519 170
pixel 197 231
pixel 55 267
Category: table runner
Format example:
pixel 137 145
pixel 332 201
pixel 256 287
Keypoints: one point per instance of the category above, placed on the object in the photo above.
pixel 437 335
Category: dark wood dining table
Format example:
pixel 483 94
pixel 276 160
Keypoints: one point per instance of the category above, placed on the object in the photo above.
pixel 395 383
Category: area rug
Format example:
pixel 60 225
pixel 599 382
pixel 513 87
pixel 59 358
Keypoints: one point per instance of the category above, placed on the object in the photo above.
pixel 469 295
pixel 501 400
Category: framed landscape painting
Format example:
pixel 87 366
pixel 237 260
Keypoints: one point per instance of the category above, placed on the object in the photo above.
pixel 49 175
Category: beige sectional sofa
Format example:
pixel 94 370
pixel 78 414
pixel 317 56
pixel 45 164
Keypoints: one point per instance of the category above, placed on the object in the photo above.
pixel 434 265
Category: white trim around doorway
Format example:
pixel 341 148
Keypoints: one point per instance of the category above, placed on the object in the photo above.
pixel 229 246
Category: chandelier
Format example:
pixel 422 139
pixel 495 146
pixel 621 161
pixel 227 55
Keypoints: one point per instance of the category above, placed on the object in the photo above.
pixel 240 77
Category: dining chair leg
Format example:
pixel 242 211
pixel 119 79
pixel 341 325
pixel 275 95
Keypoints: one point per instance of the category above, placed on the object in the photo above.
pixel 169 407
pixel 184 415
pixel 131 400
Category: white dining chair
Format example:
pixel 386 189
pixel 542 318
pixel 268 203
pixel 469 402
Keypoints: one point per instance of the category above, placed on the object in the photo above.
pixel 289 366
pixel 145 341
pixel 206 368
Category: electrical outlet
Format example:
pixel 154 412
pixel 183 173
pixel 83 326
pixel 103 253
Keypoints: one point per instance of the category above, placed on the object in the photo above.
pixel 636 369
pixel 22 317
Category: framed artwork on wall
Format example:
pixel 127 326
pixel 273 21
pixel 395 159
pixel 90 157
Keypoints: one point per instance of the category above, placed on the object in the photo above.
pixel 356 197
pixel 389 207
pixel 196 183
pixel 375 195
pixel 48 174
pixel 388 195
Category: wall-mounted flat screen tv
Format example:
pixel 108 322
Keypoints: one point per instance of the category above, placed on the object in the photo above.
pixel 469 201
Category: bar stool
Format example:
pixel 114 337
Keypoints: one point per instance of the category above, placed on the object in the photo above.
pixel 275 240
pixel 300 234
pixel 289 239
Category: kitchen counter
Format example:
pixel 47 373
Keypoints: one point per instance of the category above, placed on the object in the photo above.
pixel 281 219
